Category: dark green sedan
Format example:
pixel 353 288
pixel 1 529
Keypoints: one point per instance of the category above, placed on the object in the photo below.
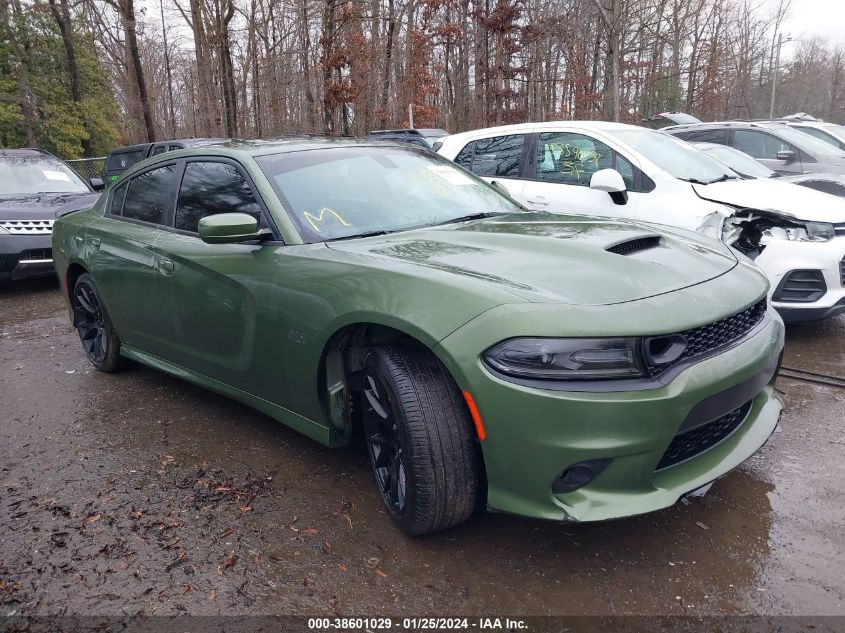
pixel 561 367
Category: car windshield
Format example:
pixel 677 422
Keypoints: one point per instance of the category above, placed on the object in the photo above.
pixel 740 162
pixel 36 174
pixel 353 191
pixel 805 142
pixel 678 158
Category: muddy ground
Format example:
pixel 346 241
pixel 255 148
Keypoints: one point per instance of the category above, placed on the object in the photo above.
pixel 137 493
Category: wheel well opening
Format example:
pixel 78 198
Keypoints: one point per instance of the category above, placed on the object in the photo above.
pixel 342 359
pixel 73 273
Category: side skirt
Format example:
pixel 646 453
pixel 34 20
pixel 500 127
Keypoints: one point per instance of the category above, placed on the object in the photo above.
pixel 304 425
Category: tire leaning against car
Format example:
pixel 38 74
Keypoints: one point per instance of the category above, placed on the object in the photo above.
pixel 96 332
pixel 425 455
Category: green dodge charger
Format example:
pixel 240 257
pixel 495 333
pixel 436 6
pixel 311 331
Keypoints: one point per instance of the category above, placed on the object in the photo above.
pixel 560 367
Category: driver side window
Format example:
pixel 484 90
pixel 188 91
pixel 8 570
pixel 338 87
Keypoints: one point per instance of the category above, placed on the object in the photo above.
pixel 759 144
pixel 572 159
pixel 209 188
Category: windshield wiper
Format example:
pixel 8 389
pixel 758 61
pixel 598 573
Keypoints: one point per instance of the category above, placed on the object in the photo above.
pixel 355 236
pixel 472 216
pixel 721 178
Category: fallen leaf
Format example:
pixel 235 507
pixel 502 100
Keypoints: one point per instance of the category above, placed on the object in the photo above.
pixel 94 518
pixel 167 459
pixel 228 532
pixel 244 509
pixel 381 573
pixel 213 596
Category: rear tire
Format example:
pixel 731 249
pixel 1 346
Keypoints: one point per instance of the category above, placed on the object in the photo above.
pixel 96 332
pixel 419 435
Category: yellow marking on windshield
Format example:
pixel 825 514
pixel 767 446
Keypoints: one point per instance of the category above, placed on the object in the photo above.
pixel 314 220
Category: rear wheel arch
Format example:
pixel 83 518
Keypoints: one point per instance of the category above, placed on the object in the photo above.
pixel 74 271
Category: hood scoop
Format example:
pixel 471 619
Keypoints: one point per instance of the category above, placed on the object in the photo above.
pixel 629 247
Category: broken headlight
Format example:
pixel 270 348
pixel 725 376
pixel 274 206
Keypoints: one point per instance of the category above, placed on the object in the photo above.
pixel 567 359
pixel 809 232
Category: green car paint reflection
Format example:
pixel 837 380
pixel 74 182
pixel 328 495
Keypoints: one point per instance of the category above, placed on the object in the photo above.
pixel 612 366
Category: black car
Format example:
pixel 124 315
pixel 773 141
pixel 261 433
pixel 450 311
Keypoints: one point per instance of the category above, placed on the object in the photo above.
pixel 423 137
pixel 122 158
pixel 35 188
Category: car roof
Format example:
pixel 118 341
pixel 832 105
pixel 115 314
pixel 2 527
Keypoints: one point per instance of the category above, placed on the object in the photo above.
pixel 608 126
pixel 418 131
pixel 26 152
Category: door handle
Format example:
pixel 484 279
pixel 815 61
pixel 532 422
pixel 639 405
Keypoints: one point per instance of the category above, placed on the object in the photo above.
pixel 165 266
pixel 95 242
pixel 539 201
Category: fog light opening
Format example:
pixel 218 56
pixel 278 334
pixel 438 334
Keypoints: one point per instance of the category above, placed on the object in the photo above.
pixel 580 474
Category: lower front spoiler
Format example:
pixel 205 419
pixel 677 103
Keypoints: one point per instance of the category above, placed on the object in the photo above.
pixel 801 315
pixel 674 484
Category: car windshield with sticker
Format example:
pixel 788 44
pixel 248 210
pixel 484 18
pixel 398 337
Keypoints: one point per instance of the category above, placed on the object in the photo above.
pixel 350 191
pixel 34 175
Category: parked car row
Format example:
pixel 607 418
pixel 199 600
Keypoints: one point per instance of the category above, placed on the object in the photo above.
pixel 567 320
pixel 795 234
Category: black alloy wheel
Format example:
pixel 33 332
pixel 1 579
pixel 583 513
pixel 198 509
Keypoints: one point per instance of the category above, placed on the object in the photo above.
pixel 92 323
pixel 384 443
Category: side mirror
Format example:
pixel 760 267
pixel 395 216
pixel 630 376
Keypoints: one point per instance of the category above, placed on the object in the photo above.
pixel 786 155
pixel 228 228
pixel 500 188
pixel 97 184
pixel 611 181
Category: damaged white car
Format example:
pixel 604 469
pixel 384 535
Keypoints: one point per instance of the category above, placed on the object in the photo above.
pixel 795 234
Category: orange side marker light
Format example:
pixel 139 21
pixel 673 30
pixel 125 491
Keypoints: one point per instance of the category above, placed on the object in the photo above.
pixel 476 417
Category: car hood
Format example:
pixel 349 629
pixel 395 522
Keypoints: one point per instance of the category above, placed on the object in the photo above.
pixel 44 206
pixel 556 258
pixel 786 199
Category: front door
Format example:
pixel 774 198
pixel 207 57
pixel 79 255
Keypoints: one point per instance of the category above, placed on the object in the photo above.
pixel 765 148
pixel 211 293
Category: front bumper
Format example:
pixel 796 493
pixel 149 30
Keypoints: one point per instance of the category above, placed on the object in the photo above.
pixel 781 257
pixel 533 435
pixel 25 256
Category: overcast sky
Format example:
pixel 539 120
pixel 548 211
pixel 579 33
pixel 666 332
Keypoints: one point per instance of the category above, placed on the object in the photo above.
pixel 825 18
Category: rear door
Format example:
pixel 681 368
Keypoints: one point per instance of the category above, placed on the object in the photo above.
pixel 212 291
pixel 560 168
pixel 497 159
pixel 123 263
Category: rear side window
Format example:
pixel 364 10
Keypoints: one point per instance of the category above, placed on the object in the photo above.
pixel 146 195
pixel 209 188
pixel 497 156
pixel 121 161
pixel 159 149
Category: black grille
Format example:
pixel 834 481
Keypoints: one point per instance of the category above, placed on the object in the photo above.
pixel 687 445
pixel 800 286
pixel 842 272
pixel 706 338
pixel 632 246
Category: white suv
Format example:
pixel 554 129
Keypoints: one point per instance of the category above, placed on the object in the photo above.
pixel 795 234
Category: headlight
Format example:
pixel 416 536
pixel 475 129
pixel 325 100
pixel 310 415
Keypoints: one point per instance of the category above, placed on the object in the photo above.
pixel 809 232
pixel 568 359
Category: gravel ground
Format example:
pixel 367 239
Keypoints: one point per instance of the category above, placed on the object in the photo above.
pixel 137 494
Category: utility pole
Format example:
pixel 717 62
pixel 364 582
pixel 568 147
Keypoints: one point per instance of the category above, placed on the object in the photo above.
pixel 411 115
pixel 775 70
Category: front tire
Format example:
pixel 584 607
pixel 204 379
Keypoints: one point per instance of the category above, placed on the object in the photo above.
pixel 99 340
pixel 425 456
